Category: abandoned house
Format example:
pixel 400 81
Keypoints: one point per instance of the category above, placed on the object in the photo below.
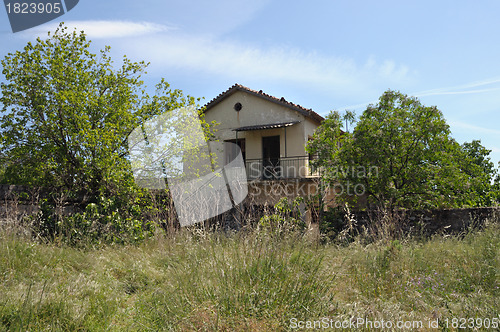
pixel 272 134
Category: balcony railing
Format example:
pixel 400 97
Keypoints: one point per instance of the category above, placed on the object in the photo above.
pixel 280 168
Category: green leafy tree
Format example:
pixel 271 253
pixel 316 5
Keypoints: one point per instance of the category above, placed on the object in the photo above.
pixel 496 188
pixel 400 154
pixel 65 118
pixel 67 113
pixel 325 147
pixel 479 172
pixel 327 140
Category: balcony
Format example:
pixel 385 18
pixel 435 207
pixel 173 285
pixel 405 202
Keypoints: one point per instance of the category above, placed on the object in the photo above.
pixel 280 168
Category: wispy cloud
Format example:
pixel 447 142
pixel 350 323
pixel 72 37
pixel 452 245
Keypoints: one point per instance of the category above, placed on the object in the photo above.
pixel 464 89
pixel 106 29
pixel 170 47
pixel 469 88
pixel 475 128
pixel 233 59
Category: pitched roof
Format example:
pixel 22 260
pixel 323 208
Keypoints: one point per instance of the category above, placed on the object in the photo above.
pixel 280 101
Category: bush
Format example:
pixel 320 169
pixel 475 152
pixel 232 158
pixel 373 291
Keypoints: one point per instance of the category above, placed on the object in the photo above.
pixel 109 220
pixel 287 218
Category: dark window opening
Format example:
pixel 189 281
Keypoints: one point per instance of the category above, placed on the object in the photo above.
pixel 231 152
pixel 271 157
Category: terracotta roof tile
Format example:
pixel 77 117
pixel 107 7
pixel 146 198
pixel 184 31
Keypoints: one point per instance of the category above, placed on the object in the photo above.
pixel 267 126
pixel 281 101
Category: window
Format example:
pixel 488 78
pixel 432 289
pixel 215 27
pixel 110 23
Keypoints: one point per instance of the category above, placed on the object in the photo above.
pixel 231 151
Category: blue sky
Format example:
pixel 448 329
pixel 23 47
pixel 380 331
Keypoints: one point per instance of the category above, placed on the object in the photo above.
pixel 322 55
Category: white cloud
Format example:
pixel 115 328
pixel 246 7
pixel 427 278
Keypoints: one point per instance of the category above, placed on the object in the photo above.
pixel 166 48
pixel 235 60
pixel 478 129
pixel 358 106
pixel 464 89
pixel 469 88
pixel 105 29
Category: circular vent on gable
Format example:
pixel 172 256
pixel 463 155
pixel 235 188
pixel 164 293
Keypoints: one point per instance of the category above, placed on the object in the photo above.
pixel 237 107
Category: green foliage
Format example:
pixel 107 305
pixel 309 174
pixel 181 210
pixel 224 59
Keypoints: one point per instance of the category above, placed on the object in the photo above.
pixel 106 222
pixel 401 154
pixel 67 113
pixel 332 223
pixel 287 218
pixel 328 139
pixel 496 187
pixel 65 119
pixel 411 147
pixel 480 172
pixel 109 220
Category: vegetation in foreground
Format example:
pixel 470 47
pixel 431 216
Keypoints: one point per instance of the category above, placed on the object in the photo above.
pixel 254 280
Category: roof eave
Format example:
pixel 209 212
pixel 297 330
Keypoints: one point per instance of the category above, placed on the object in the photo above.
pixel 283 102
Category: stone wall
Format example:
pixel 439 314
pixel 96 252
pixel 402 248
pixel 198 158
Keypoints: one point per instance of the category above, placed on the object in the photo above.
pixel 427 222
pixel 11 192
pixel 19 201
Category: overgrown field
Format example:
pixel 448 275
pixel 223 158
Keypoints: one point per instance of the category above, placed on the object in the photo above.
pixel 254 280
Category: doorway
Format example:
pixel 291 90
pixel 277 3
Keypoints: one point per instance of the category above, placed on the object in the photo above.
pixel 271 157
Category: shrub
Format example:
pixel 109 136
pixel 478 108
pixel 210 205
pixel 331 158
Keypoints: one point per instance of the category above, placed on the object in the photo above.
pixel 287 218
pixel 109 220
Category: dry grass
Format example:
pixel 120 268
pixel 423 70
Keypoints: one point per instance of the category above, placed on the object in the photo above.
pixel 210 281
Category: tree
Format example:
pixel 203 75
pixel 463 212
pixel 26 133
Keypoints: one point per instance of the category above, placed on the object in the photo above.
pixel 496 187
pixel 325 146
pixel 67 113
pixel 400 154
pixel 480 172
pixel 65 118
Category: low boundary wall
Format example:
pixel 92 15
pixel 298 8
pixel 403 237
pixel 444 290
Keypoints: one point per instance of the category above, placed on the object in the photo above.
pixel 19 201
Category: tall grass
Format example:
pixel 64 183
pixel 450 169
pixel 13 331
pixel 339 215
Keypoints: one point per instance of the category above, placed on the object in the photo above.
pixel 442 278
pixel 194 280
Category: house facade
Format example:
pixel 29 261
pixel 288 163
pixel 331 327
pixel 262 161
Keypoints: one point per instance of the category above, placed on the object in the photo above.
pixel 272 134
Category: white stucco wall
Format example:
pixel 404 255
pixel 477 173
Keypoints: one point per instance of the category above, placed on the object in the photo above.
pixel 258 111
